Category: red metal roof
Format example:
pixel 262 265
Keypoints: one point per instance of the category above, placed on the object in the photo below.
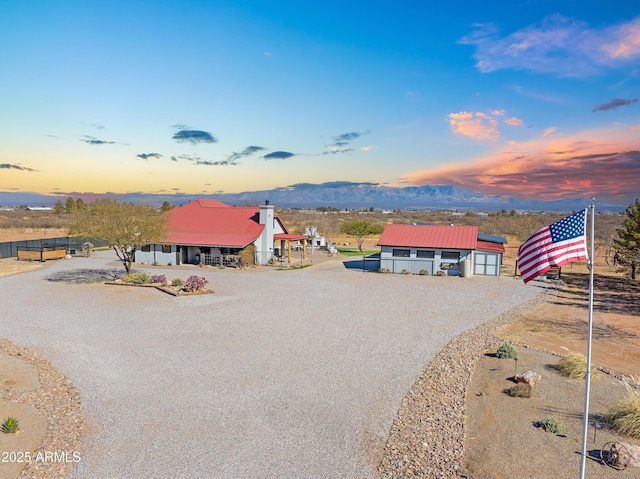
pixel 488 246
pixel 206 222
pixel 419 236
pixel 287 236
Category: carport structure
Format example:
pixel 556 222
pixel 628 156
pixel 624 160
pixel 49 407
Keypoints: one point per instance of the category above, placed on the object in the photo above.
pixel 286 239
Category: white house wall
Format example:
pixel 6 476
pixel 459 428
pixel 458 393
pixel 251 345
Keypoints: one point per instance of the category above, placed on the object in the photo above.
pixel 155 255
pixel 415 265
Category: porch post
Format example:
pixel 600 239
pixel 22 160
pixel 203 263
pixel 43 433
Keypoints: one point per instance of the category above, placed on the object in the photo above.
pixel 288 251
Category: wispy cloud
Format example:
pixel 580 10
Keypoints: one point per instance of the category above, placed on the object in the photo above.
pixel 340 143
pixel 278 155
pixel 474 125
pixel 513 121
pixel 200 161
pixel 595 162
pixel 549 131
pixel 8 166
pixel 194 136
pixel 94 141
pixel 248 151
pixel 558 45
pixel 615 103
pixel 146 156
pixel 366 148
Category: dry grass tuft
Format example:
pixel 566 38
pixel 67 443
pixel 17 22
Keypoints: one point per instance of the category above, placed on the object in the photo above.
pixel 520 390
pixel 574 366
pixel 625 416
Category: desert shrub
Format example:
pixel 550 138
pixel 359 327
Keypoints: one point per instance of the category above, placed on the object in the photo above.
pixel 159 278
pixel 520 390
pixel 551 424
pixel 574 366
pixel 177 282
pixel 440 273
pixel 624 417
pixel 142 278
pixel 194 283
pixel 10 425
pixel 248 255
pixel 383 270
pixel 507 351
pixel 423 272
pixel 128 278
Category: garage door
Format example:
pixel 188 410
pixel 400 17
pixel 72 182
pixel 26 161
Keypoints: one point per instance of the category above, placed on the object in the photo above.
pixel 486 263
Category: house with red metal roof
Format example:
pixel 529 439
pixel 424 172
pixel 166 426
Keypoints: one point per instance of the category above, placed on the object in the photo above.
pixel 428 249
pixel 207 231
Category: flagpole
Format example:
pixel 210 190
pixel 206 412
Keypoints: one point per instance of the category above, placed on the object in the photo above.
pixel 588 372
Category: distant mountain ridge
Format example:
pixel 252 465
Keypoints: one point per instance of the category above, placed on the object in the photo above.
pixel 338 194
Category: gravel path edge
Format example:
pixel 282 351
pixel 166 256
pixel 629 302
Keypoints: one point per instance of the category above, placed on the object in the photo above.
pixel 59 401
pixel 427 436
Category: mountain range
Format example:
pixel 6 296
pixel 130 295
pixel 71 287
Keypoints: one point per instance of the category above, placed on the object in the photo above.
pixel 337 194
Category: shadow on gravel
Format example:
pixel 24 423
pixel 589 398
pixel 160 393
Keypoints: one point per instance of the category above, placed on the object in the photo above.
pixel 86 276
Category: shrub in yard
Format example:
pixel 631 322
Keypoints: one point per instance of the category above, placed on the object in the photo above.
pixel 10 425
pixel 574 366
pixel 625 416
pixel 423 272
pixel 551 424
pixel 128 278
pixel 177 282
pixel 507 351
pixel 159 278
pixel 142 278
pixel 520 390
pixel 194 283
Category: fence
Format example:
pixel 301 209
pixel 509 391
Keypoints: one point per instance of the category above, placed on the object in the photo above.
pixel 9 249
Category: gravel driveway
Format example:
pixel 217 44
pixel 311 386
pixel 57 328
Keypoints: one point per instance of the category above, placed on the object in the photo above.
pixel 293 374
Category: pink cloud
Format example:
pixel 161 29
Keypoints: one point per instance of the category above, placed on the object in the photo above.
pixel 601 163
pixel 366 148
pixel 549 131
pixel 478 125
pixel 584 50
pixel 513 121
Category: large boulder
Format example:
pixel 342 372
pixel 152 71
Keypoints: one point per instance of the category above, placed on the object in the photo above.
pixel 528 377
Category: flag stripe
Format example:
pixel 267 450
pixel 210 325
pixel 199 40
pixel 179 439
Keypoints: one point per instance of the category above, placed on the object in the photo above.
pixel 555 245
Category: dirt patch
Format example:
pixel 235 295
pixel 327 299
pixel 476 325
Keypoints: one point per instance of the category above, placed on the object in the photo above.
pixel 561 324
pixel 501 439
pixel 22 234
pixel 13 266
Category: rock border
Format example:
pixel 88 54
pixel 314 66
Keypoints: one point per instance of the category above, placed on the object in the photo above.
pixel 59 401
pixel 164 289
pixel 427 436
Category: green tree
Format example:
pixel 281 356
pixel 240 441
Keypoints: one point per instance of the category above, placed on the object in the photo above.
pixel 70 206
pixel 166 206
pixel 58 208
pixel 627 246
pixel 80 204
pixel 124 226
pixel 361 230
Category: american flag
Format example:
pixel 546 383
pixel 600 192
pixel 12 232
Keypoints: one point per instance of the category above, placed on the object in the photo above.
pixel 555 245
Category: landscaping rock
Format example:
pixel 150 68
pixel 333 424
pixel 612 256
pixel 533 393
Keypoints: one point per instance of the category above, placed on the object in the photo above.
pixel 528 377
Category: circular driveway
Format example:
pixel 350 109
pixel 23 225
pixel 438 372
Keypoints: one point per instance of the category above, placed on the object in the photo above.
pixel 294 374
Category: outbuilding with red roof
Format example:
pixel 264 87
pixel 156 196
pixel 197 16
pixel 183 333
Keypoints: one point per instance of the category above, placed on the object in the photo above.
pixel 428 249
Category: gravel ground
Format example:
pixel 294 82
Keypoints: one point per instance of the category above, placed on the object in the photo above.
pixel 278 374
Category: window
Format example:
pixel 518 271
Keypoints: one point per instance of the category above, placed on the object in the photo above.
pixel 426 254
pixel 451 255
pixel 402 253
pixel 166 248
pixel 146 248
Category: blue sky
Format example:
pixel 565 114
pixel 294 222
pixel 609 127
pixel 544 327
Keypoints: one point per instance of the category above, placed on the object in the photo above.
pixel 531 99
